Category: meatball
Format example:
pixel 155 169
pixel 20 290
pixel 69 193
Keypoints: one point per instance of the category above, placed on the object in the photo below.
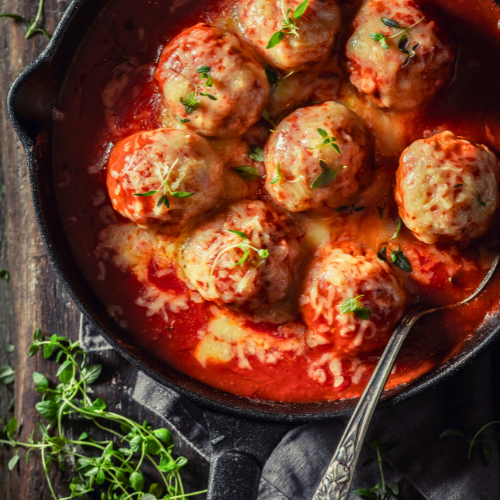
pixel 165 161
pixel 323 155
pixel 348 274
pixel 390 77
pixel 252 267
pixel 207 78
pixel 316 30
pixel 446 189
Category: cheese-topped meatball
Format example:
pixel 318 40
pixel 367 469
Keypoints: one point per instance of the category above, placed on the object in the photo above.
pixel 205 60
pixel 351 298
pixel 252 267
pixel 323 155
pixel 447 189
pixel 164 177
pixel 391 77
pixel 316 30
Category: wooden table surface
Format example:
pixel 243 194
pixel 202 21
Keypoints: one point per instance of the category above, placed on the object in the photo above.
pixel 34 297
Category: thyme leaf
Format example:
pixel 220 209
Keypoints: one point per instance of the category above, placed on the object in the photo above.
pixel 289 24
pixel 354 305
pixel 327 141
pixel 247 173
pixel 191 102
pixel 32 25
pixel 163 200
pixel 399 259
pixel 326 177
pixel 478 438
pixel 256 153
pixel 115 462
pixel 278 175
pixel 244 245
pixel 403 42
pixel 4 274
pixel 267 117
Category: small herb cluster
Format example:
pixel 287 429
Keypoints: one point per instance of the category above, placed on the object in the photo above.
pixel 163 200
pixel 289 24
pixel 274 79
pixel 245 246
pixel 4 275
pixel 380 491
pixel 327 141
pixel 477 439
pixel 355 306
pixel 32 25
pixel 398 258
pixel 112 465
pixel 403 42
pixel 191 102
pixel 251 173
pixel 326 177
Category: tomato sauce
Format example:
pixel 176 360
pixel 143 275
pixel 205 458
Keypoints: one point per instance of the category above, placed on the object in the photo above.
pixel 130 35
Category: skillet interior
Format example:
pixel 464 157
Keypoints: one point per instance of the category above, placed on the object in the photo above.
pixel 30 107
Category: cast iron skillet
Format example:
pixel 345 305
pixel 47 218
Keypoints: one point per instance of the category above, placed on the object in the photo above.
pixel 251 428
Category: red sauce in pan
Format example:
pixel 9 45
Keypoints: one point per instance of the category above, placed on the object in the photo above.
pixel 137 30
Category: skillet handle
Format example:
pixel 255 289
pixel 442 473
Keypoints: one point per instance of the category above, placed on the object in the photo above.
pixel 233 475
pixel 240 450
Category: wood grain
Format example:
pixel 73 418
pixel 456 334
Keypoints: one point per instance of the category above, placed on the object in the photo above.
pixel 34 297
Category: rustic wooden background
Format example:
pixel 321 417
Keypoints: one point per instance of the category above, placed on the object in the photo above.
pixel 34 297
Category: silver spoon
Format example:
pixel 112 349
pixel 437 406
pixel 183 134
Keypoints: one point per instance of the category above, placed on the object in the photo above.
pixel 336 482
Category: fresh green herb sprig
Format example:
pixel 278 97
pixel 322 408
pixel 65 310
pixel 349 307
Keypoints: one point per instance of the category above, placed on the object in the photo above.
pixel 477 439
pixel 267 117
pixel 256 153
pixel 327 176
pixel 6 375
pixel 247 173
pixel 277 177
pixel 327 141
pixel 163 200
pixel 380 491
pixel 245 246
pixel 112 465
pixel 403 42
pixel 32 25
pixel 191 102
pixel 355 306
pixel 4 274
pixel 398 258
pixel 289 23
pixel 274 79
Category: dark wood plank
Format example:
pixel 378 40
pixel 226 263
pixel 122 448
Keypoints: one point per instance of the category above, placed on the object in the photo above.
pixel 34 297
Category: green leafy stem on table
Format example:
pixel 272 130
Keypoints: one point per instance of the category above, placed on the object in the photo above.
pixel 112 465
pixel 33 25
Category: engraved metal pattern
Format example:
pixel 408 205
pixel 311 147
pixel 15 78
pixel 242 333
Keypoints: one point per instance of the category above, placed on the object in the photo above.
pixel 336 482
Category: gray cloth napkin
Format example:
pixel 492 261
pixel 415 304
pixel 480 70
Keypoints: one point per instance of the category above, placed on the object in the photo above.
pixel 424 466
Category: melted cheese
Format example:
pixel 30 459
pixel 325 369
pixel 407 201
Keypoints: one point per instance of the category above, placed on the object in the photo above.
pixel 339 276
pixel 443 182
pixel 132 248
pixel 227 339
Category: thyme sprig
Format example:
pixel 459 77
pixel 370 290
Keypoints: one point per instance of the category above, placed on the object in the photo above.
pixel 472 441
pixel 277 177
pixel 289 23
pixel 267 117
pixel 163 200
pixel 112 465
pixel 327 141
pixel 398 258
pixel 274 79
pixel 32 25
pixel 355 306
pixel 256 153
pixel 380 491
pixel 403 42
pixel 192 102
pixel 327 176
pixel 245 246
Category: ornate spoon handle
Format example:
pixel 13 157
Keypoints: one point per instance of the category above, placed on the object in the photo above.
pixel 336 482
